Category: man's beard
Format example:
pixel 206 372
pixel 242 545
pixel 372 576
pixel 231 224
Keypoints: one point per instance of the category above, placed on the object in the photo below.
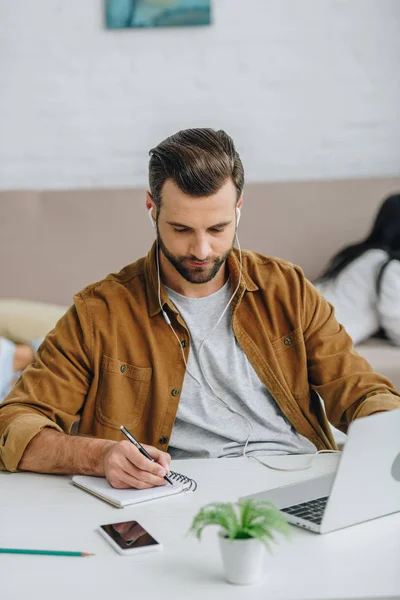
pixel 191 273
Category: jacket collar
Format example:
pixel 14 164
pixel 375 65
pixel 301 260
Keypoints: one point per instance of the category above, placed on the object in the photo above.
pixel 246 282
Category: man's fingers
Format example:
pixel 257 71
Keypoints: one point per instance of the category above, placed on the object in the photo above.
pixel 142 462
pixel 133 478
pixel 163 458
pixel 144 476
pixel 127 467
pixel 124 470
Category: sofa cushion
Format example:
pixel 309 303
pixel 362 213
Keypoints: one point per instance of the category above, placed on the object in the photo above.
pixel 383 357
pixel 22 321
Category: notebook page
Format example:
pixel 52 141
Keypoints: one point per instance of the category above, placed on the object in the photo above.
pixel 100 487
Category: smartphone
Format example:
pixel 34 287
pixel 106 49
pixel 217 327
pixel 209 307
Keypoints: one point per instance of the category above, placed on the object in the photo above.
pixel 129 537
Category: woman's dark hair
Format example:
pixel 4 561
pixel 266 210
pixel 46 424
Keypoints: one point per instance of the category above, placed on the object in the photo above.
pixel 385 235
pixel 199 161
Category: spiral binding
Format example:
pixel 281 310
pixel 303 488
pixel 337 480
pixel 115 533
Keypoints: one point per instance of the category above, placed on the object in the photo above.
pixel 189 485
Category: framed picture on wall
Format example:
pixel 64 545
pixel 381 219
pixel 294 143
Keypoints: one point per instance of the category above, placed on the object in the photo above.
pixel 122 14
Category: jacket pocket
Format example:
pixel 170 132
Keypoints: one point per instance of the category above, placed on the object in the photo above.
pixel 291 355
pixel 122 393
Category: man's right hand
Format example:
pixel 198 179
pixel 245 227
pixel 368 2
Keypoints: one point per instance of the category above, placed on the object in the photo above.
pixel 126 467
pixel 121 463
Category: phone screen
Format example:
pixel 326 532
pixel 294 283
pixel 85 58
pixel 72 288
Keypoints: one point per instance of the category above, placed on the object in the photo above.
pixel 129 535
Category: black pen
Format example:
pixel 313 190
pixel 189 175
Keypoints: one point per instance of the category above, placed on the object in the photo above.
pixel 141 449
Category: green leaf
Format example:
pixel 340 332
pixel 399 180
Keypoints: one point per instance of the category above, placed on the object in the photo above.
pixel 244 519
pixel 216 514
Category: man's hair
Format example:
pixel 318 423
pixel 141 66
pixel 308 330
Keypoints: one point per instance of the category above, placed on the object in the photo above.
pixel 199 161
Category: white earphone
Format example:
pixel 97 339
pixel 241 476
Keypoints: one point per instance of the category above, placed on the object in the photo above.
pixel 152 221
pixel 237 216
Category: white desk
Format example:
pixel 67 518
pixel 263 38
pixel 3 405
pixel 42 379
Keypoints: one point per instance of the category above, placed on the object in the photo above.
pixel 45 511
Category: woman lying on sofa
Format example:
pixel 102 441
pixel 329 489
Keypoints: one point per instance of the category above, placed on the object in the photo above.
pixel 362 281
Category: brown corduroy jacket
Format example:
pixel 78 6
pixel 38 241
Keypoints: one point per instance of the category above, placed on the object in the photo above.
pixel 112 359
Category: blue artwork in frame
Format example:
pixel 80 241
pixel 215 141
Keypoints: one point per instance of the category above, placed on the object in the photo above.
pixel 122 14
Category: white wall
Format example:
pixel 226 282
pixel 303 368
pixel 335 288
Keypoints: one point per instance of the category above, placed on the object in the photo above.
pixel 307 88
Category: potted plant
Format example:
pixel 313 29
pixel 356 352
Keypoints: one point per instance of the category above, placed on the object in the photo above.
pixel 246 532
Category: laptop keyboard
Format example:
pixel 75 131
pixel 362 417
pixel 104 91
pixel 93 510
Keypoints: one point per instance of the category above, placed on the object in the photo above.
pixel 313 510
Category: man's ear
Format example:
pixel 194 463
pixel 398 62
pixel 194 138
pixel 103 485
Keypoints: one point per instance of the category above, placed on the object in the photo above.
pixel 151 209
pixel 150 203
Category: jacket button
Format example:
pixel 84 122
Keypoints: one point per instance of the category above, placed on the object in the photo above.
pixel 287 341
pixel 163 440
pixel 123 368
pixel 175 392
pixel 184 343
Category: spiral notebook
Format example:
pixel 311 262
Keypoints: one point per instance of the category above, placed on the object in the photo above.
pixel 99 487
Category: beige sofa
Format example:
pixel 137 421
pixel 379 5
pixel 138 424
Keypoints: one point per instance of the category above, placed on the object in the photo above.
pixel 55 242
pixel 383 357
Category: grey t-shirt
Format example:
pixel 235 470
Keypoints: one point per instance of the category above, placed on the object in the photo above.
pixel 204 427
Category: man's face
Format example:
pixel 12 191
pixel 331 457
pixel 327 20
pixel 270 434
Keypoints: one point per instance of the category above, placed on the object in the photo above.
pixel 196 235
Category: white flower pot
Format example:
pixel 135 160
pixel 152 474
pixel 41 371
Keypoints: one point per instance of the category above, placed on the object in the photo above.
pixel 243 560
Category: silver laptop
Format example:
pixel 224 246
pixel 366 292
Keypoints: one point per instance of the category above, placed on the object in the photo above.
pixel 366 484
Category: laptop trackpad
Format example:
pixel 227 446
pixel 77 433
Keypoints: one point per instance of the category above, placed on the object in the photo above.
pixel 296 493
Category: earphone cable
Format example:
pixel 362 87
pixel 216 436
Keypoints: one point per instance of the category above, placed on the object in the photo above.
pixel 168 321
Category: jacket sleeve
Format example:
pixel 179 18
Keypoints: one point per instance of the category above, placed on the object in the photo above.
pixel 389 302
pixel 344 379
pixel 51 391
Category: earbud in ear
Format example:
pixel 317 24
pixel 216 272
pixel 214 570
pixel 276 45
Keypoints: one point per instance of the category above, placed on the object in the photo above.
pixel 237 216
pixel 152 221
